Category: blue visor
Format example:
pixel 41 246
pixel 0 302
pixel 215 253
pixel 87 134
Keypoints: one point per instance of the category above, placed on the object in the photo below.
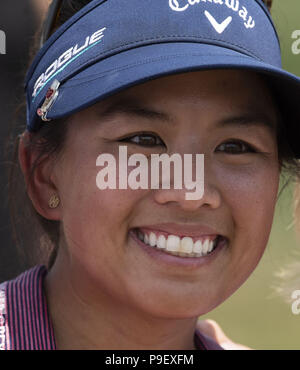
pixel 110 45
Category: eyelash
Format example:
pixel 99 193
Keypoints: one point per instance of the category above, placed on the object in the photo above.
pixel 247 147
pixel 144 134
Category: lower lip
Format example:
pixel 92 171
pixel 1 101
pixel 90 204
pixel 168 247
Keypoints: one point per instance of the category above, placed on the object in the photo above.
pixel 171 260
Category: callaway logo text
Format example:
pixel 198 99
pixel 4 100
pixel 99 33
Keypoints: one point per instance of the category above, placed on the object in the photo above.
pixel 234 5
pixel 66 58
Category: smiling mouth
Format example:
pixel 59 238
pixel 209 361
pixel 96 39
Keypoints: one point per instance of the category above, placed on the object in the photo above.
pixel 190 247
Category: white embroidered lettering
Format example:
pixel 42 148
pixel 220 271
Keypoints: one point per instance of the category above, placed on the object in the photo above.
pixel 69 55
pixel 250 23
pixel 243 13
pixel 174 5
pixel 64 57
pixel 49 72
pixel 39 83
pixel 234 5
pixel 219 27
pixel 193 2
pixel 97 36
pixel 77 50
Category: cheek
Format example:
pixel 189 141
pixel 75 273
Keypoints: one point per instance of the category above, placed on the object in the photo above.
pixel 251 195
pixel 94 220
pixel 95 226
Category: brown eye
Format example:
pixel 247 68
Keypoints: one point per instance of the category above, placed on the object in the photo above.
pixel 146 140
pixel 235 147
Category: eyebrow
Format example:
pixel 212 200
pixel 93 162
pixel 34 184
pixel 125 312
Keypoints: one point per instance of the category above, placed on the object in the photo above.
pixel 250 119
pixel 134 107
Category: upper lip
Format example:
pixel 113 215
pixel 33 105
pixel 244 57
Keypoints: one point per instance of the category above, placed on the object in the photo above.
pixel 199 230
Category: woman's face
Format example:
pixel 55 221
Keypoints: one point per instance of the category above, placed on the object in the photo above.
pixel 229 117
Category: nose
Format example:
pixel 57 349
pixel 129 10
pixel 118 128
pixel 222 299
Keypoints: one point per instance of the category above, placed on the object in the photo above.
pixel 211 195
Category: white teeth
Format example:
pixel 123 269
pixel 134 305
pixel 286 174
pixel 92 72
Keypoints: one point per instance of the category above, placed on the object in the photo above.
pixel 205 247
pixel 146 239
pixel 173 243
pixel 184 247
pixel 152 239
pixel 210 246
pixel 161 242
pixel 198 247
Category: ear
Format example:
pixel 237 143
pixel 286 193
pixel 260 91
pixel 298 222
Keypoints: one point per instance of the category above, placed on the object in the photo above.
pixel 39 182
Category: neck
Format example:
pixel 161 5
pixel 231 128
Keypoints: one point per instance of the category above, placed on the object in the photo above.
pixel 96 320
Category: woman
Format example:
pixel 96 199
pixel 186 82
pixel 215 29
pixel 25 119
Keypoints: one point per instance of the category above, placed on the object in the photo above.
pixel 134 268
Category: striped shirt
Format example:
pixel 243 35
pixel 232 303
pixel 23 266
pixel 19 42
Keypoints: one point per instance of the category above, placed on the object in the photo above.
pixel 25 323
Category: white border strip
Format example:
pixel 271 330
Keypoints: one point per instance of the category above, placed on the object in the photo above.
pixel 3 318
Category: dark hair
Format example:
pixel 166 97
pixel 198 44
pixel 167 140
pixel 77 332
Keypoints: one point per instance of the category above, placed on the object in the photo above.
pixel 36 237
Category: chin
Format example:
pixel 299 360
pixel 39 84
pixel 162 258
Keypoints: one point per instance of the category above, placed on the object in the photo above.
pixel 180 307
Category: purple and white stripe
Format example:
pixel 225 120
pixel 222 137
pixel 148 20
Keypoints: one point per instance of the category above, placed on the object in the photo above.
pixel 28 326
pixel 25 323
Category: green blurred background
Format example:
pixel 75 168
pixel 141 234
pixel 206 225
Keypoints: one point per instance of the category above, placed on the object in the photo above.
pixel 256 315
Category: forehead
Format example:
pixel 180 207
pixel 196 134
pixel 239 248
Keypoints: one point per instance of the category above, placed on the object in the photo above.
pixel 236 87
pixel 219 92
